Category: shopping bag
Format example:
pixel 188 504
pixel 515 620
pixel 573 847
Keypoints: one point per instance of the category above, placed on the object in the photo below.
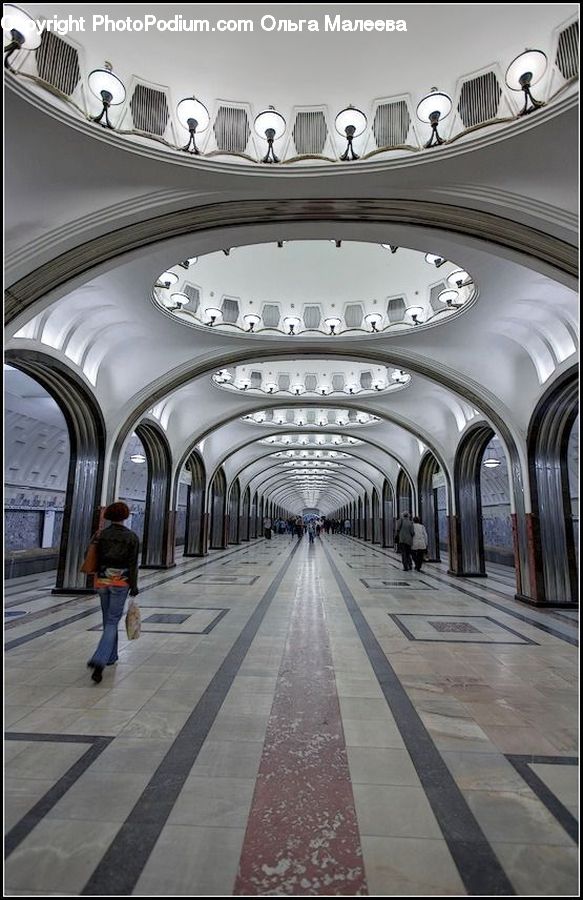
pixel 133 621
pixel 90 562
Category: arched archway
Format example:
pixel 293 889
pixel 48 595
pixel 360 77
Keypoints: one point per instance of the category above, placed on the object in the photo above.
pixel 194 541
pixel 367 524
pixel 158 540
pixel 245 513
pixel 86 430
pixel 404 494
pixel 234 503
pixel 551 531
pixel 388 515
pixel 428 504
pixel 253 517
pixel 218 511
pixel 359 522
pixel 466 533
pixel 376 517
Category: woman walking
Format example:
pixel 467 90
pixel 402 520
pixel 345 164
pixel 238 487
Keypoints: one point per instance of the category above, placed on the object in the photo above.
pixel 117 576
pixel 419 544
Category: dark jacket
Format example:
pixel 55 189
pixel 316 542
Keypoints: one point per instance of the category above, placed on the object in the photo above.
pixel 405 531
pixel 117 557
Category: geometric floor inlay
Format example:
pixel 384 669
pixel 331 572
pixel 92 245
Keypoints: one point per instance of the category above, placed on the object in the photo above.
pixel 378 584
pixel 455 629
pixel 223 579
pixel 199 620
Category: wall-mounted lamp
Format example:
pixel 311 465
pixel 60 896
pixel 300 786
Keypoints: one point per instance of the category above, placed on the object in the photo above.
pixel 293 323
pixel 252 320
pixel 433 108
pixel 270 125
pixel 523 72
pixel 333 323
pixel 194 116
pixel 108 88
pixel 23 30
pixel 458 278
pixel 350 123
pixel 166 280
pixel 214 315
pixel 374 320
pixel 450 298
pixel 416 313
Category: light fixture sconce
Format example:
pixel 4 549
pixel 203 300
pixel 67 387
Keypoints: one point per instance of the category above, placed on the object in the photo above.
pixel 392 247
pixel 270 125
pixel 271 387
pixel 374 320
pixel 252 320
pixel 108 88
pixel 458 279
pixel 415 312
pixel 189 262
pixel 214 315
pixel 138 458
pixel 434 260
pixel 194 117
pixel 166 280
pixel 293 323
pixel 450 298
pixel 333 323
pixel 23 31
pixel 433 108
pixel 350 123
pixel 298 389
pixel 179 299
pixel 491 462
pixel 525 71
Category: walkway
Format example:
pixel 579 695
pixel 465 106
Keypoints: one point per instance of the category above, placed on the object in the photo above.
pixel 294 720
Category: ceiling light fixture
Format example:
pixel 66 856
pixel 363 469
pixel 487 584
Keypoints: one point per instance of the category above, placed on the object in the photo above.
pixel 458 279
pixel 390 247
pixel 415 312
pixel 194 116
pixel 523 72
pixel 350 123
pixel 180 299
pixel 292 322
pixel 333 322
pixel 449 297
pixel 270 125
pixel 252 320
pixel 189 262
pixel 433 108
pixel 491 462
pixel 374 319
pixel 138 458
pixel 108 88
pixel 167 279
pixel 23 30
pixel 214 314
pixel 434 260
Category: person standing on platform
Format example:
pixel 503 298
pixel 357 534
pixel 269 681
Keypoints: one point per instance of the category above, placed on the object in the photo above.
pixel 347 526
pixel 299 527
pixel 419 544
pixel 311 531
pixel 117 576
pixel 267 527
pixel 405 532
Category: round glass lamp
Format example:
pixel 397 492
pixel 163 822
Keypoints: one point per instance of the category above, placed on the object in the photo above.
pixel 333 323
pixel 292 323
pixel 350 123
pixel 416 314
pixel 167 279
pixel 252 319
pixel 523 72
pixel 270 125
pixel 180 299
pixel 449 297
pixel 108 88
pixel 433 108
pixel 194 116
pixel 374 320
pixel 20 31
pixel 434 260
pixel 213 314
pixel 458 278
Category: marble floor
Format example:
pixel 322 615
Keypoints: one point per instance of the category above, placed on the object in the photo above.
pixel 294 720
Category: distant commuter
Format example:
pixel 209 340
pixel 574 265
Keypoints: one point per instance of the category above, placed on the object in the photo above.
pixel 312 531
pixel 419 544
pixel 267 527
pixel 404 532
pixel 299 527
pixel 116 576
pixel 347 526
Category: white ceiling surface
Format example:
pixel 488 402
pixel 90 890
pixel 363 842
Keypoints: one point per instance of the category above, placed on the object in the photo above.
pixel 518 335
pixel 286 69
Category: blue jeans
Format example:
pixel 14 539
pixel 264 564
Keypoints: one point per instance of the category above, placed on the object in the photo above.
pixel 112 605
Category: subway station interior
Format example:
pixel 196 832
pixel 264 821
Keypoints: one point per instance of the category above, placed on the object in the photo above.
pixel 292 294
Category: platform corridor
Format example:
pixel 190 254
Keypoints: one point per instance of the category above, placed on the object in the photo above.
pixel 296 720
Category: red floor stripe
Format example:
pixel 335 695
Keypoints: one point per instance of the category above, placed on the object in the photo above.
pixel 302 835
